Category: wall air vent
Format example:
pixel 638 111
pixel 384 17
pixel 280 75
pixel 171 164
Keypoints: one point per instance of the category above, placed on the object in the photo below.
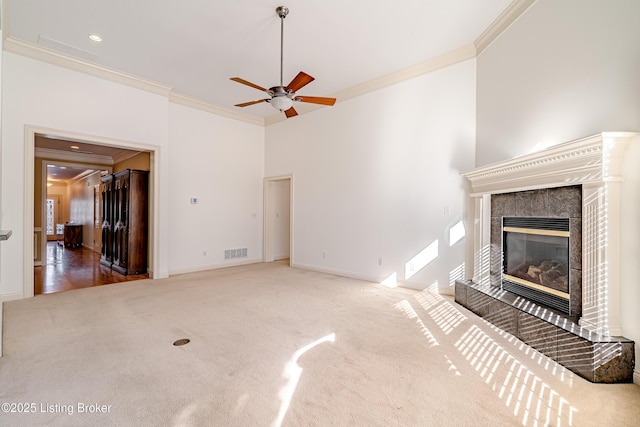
pixel 235 253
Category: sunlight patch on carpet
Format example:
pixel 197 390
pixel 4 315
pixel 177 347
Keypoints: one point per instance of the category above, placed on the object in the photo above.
pixel 407 309
pixel 292 373
pixel 527 395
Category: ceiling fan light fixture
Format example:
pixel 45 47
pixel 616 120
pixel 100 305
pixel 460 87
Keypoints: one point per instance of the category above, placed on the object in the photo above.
pixel 281 103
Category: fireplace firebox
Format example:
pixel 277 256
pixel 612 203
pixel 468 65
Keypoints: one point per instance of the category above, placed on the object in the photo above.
pixel 536 260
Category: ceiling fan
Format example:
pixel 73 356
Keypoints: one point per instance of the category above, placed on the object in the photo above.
pixel 283 97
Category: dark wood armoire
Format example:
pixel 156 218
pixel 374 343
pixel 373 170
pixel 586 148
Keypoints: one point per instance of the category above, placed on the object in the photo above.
pixel 125 219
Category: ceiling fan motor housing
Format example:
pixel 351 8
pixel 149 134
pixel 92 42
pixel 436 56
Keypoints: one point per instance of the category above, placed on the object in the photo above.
pixel 281 98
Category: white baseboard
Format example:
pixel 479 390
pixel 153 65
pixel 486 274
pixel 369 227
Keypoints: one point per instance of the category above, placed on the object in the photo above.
pixel 161 275
pixel 636 377
pixel 343 273
pixel 214 266
pixel 11 296
pixel 367 277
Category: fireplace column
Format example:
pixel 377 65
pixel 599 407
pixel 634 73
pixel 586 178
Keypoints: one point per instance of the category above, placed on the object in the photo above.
pixel 601 253
pixel 482 239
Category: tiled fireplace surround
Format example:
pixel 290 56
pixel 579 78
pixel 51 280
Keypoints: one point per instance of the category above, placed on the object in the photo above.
pixel 579 180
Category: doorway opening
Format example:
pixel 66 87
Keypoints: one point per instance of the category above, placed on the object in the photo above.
pixel 278 219
pixel 67 216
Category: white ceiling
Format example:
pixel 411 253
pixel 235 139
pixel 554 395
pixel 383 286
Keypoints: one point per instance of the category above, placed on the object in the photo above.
pixel 195 46
pixel 57 173
pixel 81 147
pixel 70 153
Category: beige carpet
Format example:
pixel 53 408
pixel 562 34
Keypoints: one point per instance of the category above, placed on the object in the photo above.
pixel 272 346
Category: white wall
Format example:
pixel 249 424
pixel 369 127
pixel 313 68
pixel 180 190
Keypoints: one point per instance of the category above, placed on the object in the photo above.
pixel 46 96
pixel 1 211
pixel 373 176
pixel 564 70
pixel 216 159
pixel 630 250
pixel 221 163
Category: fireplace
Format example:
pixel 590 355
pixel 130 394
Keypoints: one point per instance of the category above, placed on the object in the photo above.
pixel 535 252
pixel 585 181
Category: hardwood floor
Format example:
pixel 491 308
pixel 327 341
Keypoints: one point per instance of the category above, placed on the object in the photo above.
pixel 66 269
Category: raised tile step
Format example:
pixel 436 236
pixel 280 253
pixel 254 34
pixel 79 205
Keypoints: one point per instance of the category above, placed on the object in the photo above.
pixel 595 357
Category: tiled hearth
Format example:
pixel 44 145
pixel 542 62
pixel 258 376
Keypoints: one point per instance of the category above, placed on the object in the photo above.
pixel 579 180
pixel 597 358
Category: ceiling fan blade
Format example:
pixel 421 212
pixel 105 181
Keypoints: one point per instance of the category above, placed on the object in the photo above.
pixel 299 81
pixel 316 100
pixel 246 104
pixel 291 112
pixel 244 82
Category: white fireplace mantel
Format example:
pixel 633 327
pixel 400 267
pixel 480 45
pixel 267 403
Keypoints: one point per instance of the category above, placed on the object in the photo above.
pixel 594 159
pixel 595 162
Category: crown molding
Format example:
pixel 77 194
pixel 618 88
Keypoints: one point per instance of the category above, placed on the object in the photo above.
pixel 31 50
pixel 124 155
pixel 199 104
pixel 34 51
pixel 432 64
pixel 95 159
pixel 84 175
pixel 508 16
pixel 39 53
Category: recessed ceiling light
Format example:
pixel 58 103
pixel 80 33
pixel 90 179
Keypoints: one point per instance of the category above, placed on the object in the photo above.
pixel 96 38
pixel 75 147
pixel 63 167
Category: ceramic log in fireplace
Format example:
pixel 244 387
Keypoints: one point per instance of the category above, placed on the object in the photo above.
pixel 536 260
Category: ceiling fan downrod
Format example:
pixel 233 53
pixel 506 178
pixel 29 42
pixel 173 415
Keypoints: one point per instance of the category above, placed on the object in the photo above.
pixel 282 12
